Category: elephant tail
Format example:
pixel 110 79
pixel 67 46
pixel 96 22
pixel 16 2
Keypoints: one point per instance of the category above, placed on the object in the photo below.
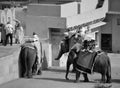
pixel 109 70
pixel 41 52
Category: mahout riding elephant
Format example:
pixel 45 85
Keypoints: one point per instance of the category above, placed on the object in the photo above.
pixel 101 65
pixel 66 44
pixel 28 58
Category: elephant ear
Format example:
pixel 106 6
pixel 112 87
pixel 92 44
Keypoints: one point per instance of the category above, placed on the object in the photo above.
pixel 73 54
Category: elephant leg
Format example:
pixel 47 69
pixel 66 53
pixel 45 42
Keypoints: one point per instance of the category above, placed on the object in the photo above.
pixel 23 56
pixel 77 76
pixel 59 55
pixel 30 60
pixel 39 71
pixel 22 64
pixel 85 77
pixel 73 70
pixel 34 68
pixel 108 79
pixel 108 75
pixel 103 78
pixel 67 71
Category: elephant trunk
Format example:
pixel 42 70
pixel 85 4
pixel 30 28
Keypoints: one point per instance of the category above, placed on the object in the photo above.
pixel 59 55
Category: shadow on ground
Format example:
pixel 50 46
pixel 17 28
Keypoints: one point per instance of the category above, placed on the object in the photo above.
pixel 101 85
pixel 56 70
pixel 115 80
pixel 56 79
pixel 64 80
pixel 112 80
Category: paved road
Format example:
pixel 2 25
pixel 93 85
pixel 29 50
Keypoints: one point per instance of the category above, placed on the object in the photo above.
pixel 54 78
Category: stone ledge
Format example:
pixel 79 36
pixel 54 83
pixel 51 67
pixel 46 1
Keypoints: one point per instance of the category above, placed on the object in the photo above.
pixel 9 66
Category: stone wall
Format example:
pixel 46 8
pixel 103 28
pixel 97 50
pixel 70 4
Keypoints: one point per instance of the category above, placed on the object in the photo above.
pixel 7 15
pixel 9 67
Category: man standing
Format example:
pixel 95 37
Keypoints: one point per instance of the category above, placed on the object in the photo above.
pixel 9 33
pixel 37 44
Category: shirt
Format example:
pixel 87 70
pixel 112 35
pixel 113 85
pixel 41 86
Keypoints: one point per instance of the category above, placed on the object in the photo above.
pixel 9 28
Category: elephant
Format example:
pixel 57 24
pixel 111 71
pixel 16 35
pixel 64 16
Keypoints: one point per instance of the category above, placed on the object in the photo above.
pixel 28 60
pixel 66 44
pixel 102 65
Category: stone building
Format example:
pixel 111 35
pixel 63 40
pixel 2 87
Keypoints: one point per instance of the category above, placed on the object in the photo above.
pixel 108 35
pixel 50 19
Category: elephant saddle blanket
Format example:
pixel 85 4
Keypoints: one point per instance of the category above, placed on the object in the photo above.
pixel 85 61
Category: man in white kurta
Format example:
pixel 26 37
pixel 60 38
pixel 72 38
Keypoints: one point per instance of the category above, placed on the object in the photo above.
pixel 37 44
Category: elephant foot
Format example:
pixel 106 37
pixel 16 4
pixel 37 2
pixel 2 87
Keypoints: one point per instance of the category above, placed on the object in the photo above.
pixel 33 73
pixel 29 77
pixel 86 80
pixel 66 78
pixel 73 71
pixel 25 75
pixel 108 81
pixel 76 81
pixel 39 73
pixel 56 59
pixel 102 82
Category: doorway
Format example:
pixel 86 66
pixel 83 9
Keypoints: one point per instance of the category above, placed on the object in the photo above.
pixel 106 42
pixel 56 35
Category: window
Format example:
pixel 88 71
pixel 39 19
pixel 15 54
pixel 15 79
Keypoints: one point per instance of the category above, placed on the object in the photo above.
pixel 78 8
pixel 118 21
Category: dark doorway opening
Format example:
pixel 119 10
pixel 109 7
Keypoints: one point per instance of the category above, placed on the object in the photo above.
pixel 56 35
pixel 106 42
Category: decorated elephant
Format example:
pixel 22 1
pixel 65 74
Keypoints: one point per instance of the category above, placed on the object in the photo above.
pixel 101 64
pixel 28 61
pixel 66 44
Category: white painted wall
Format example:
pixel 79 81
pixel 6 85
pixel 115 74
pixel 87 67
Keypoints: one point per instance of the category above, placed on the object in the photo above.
pixel 2 16
pixel 69 9
pixel 88 5
pixel 88 16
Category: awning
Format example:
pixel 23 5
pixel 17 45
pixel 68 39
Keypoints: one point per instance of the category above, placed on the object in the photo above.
pixel 97 25
pixel 89 36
